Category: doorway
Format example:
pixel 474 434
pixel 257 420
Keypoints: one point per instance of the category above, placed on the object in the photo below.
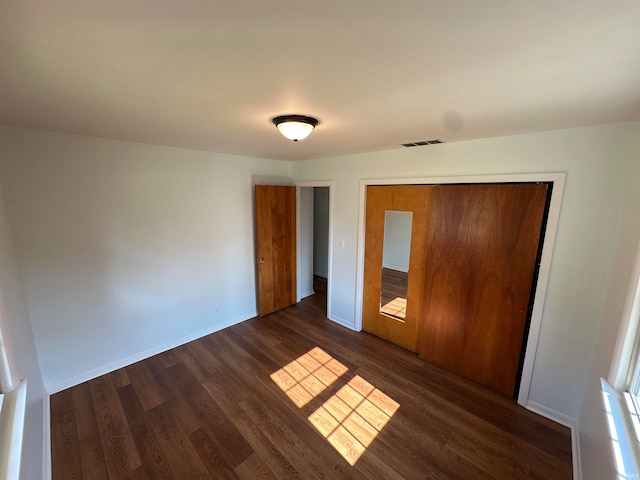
pixel 313 241
pixel 537 301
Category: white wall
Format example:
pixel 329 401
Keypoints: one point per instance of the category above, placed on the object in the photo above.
pixel 597 162
pixel 597 462
pixel 18 337
pixel 305 242
pixel 127 249
pixel 321 231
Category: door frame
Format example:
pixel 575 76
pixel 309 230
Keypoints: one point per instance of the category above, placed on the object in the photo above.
pixel 558 179
pixel 312 184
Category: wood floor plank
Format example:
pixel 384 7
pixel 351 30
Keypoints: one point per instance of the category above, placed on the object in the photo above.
pixel 267 450
pixel 226 437
pixel 151 392
pixel 118 446
pixel 178 449
pixel 500 463
pixel 256 354
pixel 151 453
pixel 197 359
pixel 65 456
pixel 168 359
pixel 401 438
pixel 139 474
pixel 253 468
pixel 90 451
pixel 296 451
pixel 265 341
pixel 246 378
pixel 120 378
pixel 215 459
pixel 293 395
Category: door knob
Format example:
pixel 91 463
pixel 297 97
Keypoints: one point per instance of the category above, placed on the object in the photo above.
pixel 260 260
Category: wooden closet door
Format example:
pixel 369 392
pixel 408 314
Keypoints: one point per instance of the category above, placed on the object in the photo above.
pixel 483 246
pixel 407 198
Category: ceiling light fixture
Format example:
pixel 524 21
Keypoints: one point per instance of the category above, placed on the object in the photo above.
pixel 295 127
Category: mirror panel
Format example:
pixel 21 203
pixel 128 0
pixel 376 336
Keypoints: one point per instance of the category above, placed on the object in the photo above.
pixel 396 252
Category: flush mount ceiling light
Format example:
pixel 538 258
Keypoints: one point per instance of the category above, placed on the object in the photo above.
pixel 295 127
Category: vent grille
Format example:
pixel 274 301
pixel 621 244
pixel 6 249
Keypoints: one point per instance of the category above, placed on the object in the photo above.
pixel 423 142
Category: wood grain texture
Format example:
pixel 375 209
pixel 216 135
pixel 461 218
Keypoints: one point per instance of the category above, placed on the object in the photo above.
pixel 407 198
pixel 65 457
pixel 483 244
pixel 90 451
pixel 118 446
pixel 222 416
pixel 276 244
pixel 147 444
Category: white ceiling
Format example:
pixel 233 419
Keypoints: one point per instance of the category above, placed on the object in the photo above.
pixel 210 74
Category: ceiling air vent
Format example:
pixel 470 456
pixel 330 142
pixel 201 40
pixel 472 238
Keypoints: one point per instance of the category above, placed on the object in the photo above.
pixel 419 144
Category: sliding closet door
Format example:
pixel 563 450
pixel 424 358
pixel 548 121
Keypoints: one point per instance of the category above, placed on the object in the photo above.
pixel 397 217
pixel 483 244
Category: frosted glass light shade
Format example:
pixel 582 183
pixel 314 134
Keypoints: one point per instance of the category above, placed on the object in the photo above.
pixel 295 127
pixel 295 130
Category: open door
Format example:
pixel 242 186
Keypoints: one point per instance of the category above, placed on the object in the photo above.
pixel 276 247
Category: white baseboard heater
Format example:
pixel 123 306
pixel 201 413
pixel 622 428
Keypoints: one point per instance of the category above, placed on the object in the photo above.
pixel 12 414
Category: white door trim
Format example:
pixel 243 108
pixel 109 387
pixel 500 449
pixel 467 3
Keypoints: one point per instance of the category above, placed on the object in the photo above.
pixel 558 179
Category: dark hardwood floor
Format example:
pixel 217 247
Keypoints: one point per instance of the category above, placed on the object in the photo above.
pixel 293 395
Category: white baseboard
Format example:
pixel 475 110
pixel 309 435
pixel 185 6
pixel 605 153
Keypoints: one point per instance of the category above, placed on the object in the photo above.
pixel 568 422
pixel 307 294
pixel 341 321
pixel 110 367
pixel 551 414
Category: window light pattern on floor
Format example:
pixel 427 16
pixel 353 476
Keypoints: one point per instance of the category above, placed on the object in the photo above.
pixel 308 376
pixel 351 418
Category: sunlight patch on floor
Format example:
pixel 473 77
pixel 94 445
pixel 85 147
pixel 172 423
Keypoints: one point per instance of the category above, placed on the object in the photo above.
pixel 352 418
pixel 309 375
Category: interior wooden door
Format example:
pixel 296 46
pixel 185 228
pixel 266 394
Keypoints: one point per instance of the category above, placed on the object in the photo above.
pixel 405 198
pixel 483 247
pixel 276 247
